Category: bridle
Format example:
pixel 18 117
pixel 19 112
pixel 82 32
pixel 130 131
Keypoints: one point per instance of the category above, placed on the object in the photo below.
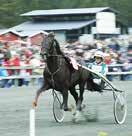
pixel 52 74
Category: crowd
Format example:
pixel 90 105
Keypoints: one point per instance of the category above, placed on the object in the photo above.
pixel 19 56
pixel 116 51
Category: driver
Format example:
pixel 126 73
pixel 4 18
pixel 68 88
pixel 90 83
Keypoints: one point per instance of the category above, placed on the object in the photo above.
pixel 99 66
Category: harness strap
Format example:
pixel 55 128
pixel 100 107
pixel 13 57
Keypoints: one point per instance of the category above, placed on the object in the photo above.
pixel 52 74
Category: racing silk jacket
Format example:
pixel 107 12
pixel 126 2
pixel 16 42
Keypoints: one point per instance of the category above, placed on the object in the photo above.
pixel 101 67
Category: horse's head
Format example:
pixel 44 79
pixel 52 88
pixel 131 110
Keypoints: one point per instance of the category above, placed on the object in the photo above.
pixel 48 44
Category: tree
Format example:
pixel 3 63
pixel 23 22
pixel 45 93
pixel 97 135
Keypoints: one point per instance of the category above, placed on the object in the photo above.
pixel 10 10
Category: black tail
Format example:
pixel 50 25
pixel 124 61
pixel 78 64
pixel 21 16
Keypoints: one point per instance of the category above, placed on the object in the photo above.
pixel 91 86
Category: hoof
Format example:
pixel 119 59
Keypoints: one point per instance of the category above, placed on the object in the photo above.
pixel 67 109
pixel 81 108
pixel 77 116
pixel 72 107
pixel 34 104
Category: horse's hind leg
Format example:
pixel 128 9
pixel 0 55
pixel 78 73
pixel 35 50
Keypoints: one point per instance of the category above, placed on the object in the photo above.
pixel 74 94
pixel 42 89
pixel 80 99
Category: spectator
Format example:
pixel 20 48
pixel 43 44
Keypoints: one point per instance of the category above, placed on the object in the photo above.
pixel 15 61
pixel 126 68
pixel 24 72
pixel 7 52
pixel 3 73
pixel 35 62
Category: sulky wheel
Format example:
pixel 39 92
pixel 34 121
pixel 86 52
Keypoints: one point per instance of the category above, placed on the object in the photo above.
pixel 58 111
pixel 120 109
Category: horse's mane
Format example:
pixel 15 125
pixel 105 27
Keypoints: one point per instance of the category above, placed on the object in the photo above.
pixel 57 46
pixel 60 52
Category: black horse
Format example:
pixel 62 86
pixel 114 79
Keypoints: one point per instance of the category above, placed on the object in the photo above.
pixel 59 75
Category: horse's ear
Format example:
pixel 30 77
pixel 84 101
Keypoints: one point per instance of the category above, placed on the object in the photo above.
pixel 51 34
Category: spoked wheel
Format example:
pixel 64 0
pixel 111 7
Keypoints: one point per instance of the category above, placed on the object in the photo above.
pixel 120 109
pixel 58 111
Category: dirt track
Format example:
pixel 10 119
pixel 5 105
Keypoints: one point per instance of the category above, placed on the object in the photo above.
pixel 15 104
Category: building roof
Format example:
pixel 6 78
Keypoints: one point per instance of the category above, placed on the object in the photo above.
pixel 28 33
pixel 9 31
pixel 67 11
pixel 40 26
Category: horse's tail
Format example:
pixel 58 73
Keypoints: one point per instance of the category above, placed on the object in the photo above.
pixel 89 84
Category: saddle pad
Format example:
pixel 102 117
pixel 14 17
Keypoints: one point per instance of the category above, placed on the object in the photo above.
pixel 74 63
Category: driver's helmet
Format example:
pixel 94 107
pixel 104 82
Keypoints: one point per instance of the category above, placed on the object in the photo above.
pixel 99 54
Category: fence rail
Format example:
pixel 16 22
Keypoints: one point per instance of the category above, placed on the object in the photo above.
pixel 120 73
pixel 120 65
pixel 41 67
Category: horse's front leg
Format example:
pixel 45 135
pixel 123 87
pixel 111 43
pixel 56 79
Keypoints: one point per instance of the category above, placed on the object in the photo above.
pixel 65 100
pixel 42 89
